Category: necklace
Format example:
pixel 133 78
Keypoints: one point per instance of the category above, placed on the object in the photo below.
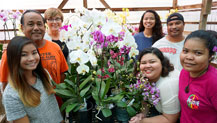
pixel 187 87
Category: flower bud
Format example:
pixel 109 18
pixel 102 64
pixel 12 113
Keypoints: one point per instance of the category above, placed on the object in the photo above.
pixel 94 72
pixel 131 60
pixel 137 63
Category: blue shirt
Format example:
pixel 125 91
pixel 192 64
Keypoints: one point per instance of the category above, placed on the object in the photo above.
pixel 142 41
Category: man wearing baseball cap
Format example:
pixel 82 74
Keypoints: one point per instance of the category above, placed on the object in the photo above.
pixel 171 45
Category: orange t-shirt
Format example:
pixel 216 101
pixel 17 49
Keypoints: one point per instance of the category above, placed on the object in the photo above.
pixel 4 68
pixel 52 60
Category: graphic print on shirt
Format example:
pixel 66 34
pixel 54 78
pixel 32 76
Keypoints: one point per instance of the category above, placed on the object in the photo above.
pixel 51 64
pixel 168 50
pixel 193 101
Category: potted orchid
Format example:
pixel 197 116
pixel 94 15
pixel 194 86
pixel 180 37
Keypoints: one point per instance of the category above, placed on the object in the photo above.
pixel 102 50
pixel 143 94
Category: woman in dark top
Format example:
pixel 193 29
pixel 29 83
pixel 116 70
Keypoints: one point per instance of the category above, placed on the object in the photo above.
pixel 54 19
pixel 150 30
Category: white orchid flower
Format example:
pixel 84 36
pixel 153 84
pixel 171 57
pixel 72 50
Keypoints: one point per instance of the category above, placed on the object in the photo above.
pixel 85 47
pixel 74 44
pixel 92 57
pixel 86 37
pixel 81 10
pixel 128 41
pixel 133 52
pixel 99 18
pixel 78 56
pixel 82 69
pixel 111 27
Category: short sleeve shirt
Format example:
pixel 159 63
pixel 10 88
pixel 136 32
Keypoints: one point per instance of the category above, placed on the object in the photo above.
pixel 169 87
pixel 46 112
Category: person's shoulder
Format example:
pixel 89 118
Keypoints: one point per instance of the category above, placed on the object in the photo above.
pixel 212 73
pixel 140 34
pixel 160 42
pixel 9 91
pixel 52 44
pixel 172 74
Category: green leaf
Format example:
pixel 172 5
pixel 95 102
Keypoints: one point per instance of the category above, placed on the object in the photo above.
pixel 64 92
pixel 131 111
pixel 95 95
pixel 83 92
pixel 116 98
pixel 85 82
pixel 62 85
pixel 122 104
pixel 98 81
pixel 69 101
pixel 102 91
pixel 106 112
pixel 108 82
pixel 71 107
pixel 69 82
pixel 76 108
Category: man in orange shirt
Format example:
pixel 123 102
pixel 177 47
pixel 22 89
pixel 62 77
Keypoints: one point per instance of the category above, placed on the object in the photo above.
pixel 52 58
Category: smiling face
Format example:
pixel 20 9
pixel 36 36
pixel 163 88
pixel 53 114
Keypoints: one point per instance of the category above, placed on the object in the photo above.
pixel 194 56
pixel 175 28
pixel 29 58
pixel 54 23
pixel 149 20
pixel 33 27
pixel 150 65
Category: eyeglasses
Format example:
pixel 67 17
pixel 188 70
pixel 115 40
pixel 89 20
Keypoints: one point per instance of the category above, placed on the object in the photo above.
pixel 56 19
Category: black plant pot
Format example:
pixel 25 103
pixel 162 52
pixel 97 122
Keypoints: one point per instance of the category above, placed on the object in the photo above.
pixel 109 119
pixel 82 116
pixel 122 115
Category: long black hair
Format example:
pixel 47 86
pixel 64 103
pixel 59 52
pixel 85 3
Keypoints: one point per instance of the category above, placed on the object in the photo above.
pixel 157 31
pixel 17 78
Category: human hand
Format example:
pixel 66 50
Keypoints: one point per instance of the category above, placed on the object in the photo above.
pixel 137 118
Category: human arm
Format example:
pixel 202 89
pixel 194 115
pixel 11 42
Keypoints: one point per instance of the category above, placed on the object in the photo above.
pixel 4 71
pixel 25 119
pixel 137 118
pixel 62 77
pixel 14 107
pixel 164 118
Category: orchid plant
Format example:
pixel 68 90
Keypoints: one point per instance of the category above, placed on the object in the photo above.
pixel 143 91
pixel 5 17
pixel 102 50
pixel 9 15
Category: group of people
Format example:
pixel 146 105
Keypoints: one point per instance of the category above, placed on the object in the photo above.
pixel 29 64
pixel 179 66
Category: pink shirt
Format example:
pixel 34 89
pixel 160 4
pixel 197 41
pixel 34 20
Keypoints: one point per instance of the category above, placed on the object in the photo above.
pixel 199 105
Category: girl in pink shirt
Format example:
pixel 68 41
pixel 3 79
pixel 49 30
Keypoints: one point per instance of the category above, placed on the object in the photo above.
pixel 198 80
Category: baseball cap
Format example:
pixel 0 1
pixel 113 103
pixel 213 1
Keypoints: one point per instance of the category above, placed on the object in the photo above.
pixel 175 16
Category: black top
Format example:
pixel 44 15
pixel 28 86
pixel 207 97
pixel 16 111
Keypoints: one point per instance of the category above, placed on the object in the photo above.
pixel 63 47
